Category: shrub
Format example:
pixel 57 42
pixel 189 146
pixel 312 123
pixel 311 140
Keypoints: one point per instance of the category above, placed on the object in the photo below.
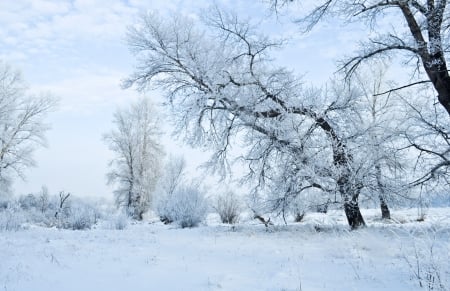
pixel 28 202
pixel 186 206
pixel 117 221
pixel 228 207
pixel 78 216
pixel 11 219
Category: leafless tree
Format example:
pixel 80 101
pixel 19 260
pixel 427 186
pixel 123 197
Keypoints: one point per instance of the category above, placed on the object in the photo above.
pixel 224 88
pixel 425 38
pixel 428 135
pixel 136 167
pixel 22 126
pixel 62 203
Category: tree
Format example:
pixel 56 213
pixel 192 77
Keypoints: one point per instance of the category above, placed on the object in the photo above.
pixel 136 167
pixel 381 136
pixel 22 126
pixel 224 88
pixel 425 39
pixel 428 136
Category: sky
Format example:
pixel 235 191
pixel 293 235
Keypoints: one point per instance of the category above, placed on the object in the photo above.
pixel 76 50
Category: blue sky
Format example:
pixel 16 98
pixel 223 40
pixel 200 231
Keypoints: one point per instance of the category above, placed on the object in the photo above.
pixel 77 51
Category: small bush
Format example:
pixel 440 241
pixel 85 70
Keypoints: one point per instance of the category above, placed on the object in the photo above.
pixel 78 216
pixel 121 221
pixel 28 202
pixel 186 206
pixel 117 221
pixel 228 207
pixel 11 219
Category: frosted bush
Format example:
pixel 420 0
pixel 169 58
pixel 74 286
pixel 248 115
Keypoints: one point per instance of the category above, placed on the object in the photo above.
pixel 121 221
pixel 186 206
pixel 79 216
pixel 228 207
pixel 117 221
pixel 428 261
pixel 11 219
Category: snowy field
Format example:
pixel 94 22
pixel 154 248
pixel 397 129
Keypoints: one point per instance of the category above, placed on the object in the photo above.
pixel 318 254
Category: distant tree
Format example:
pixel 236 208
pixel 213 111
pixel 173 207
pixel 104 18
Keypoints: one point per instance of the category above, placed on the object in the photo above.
pixel 62 205
pixel 136 166
pixel 224 88
pixel 22 125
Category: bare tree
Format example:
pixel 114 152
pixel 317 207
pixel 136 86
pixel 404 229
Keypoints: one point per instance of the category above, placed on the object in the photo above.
pixel 62 204
pixel 381 136
pixel 224 88
pixel 425 39
pixel 22 126
pixel 136 167
pixel 427 134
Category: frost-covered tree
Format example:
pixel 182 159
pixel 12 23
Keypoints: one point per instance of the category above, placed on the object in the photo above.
pixel 224 89
pixel 380 140
pixel 419 29
pixel 428 136
pixel 138 153
pixel 417 34
pixel 22 125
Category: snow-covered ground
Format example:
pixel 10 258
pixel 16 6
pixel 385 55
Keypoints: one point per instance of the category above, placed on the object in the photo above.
pixel 318 254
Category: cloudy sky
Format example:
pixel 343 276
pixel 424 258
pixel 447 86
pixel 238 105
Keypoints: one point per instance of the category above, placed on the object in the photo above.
pixel 76 50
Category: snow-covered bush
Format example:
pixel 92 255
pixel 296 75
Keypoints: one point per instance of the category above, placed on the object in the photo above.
pixel 117 221
pixel 11 219
pixel 78 216
pixel 186 206
pixel 3 204
pixel 28 202
pixel 228 207
pixel 429 261
pixel 38 208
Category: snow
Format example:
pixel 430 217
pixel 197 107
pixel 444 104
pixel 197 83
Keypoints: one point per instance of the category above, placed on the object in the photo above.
pixel 317 254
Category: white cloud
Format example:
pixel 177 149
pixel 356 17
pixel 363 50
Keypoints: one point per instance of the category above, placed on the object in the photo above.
pixel 88 91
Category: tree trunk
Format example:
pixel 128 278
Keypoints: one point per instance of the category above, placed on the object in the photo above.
pixel 385 213
pixel 350 195
pixel 353 214
pixel 442 85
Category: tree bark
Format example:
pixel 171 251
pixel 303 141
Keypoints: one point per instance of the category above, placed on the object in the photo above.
pixel 350 195
pixel 442 85
pixel 385 213
pixel 348 188
pixel 353 214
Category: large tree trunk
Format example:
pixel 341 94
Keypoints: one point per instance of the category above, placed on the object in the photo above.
pixel 350 195
pixel 442 85
pixel 348 188
pixel 353 214
pixel 385 213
